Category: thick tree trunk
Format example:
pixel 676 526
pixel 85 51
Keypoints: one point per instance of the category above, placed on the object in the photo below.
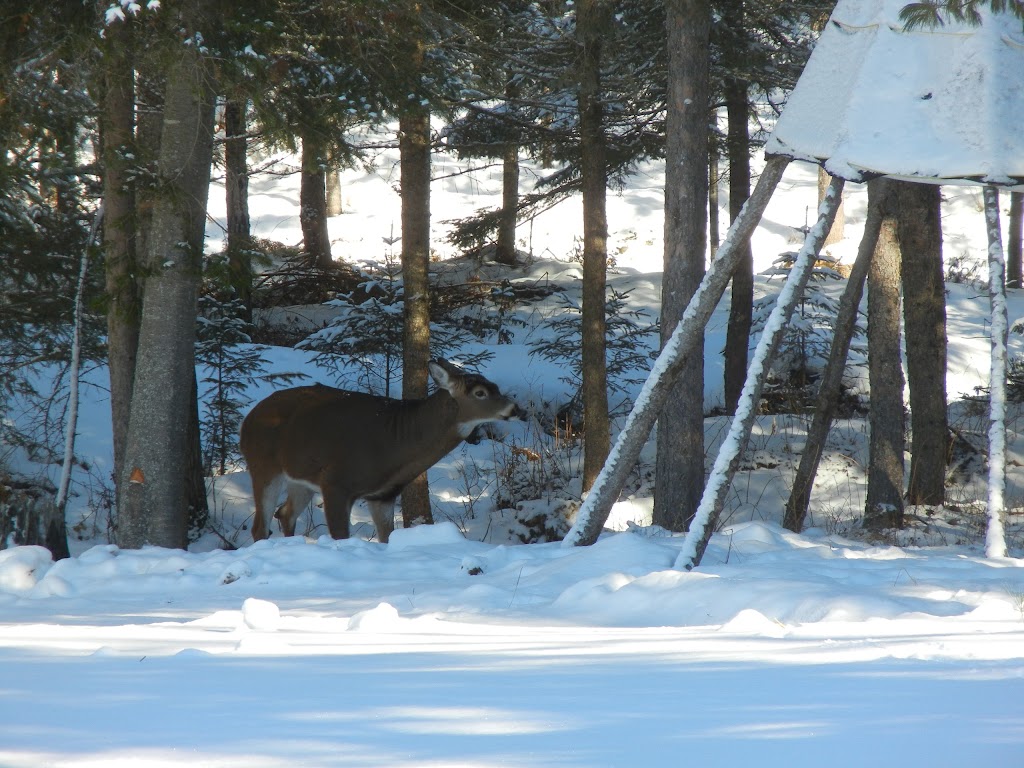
pixel 414 145
pixel 154 479
pixel 236 184
pixel 117 124
pixel 924 313
pixel 595 242
pixel 832 379
pixel 741 307
pixel 680 461
pixel 313 202
pixel 686 340
pixel 884 506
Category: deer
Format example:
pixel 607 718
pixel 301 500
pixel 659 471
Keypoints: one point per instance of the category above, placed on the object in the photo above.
pixel 353 445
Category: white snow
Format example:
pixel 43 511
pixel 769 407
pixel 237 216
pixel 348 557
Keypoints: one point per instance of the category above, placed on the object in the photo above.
pixel 779 649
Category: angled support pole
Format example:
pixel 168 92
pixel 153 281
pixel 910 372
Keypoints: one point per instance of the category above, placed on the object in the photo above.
pixel 713 500
pixel 605 491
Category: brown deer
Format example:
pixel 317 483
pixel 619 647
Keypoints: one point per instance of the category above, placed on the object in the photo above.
pixel 352 445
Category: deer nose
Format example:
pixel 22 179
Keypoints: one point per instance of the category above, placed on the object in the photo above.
pixel 518 413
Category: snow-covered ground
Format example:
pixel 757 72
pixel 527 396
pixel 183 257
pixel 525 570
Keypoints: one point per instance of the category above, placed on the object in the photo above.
pixel 455 646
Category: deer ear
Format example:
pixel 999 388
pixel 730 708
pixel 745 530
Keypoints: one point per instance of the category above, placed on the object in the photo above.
pixel 439 373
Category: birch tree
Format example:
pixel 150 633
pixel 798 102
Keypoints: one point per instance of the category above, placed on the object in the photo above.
pixel 995 537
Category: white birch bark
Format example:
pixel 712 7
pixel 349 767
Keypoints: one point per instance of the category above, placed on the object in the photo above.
pixel 995 537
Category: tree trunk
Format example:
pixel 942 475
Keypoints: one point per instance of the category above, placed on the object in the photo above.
pixel 924 313
pixel 195 502
pixel 313 202
pixel 151 84
pixel 414 145
pixel 505 250
pixel 714 178
pixel 995 534
pixel 679 477
pixel 236 184
pixel 832 379
pixel 153 482
pixel 741 307
pixel 884 506
pixel 334 204
pixel 686 340
pixel 595 241
pixel 1013 240
pixel 837 232
pixel 117 124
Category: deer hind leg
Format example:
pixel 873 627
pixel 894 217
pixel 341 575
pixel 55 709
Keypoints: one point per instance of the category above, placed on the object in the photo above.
pixel 299 495
pixel 265 493
pixel 383 513
pixel 337 508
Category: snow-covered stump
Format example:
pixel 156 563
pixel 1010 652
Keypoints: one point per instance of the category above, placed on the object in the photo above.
pixel 995 537
pixel 598 504
pixel 717 488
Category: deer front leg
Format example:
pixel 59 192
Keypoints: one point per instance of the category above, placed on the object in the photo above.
pixel 383 513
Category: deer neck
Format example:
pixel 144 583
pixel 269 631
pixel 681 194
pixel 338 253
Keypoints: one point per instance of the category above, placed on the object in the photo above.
pixel 432 421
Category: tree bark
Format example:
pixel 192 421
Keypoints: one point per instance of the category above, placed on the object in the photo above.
pixel 995 534
pixel 679 477
pixel 505 250
pixel 414 146
pixel 838 228
pixel 686 340
pixel 118 130
pixel 924 315
pixel 236 184
pixel 741 306
pixel 595 241
pixel 832 379
pixel 884 506
pixel 334 204
pixel 714 179
pixel 154 478
pixel 1014 241
pixel 313 202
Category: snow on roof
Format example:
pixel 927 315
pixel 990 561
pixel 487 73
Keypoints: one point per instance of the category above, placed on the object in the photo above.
pixel 943 104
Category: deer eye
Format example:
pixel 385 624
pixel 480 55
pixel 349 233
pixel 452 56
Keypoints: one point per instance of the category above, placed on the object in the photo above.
pixel 480 392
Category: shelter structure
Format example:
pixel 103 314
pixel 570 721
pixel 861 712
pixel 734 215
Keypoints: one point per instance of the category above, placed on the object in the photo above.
pixel 930 104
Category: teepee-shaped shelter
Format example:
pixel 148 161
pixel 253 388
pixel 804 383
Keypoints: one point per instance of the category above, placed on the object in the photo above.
pixel 940 105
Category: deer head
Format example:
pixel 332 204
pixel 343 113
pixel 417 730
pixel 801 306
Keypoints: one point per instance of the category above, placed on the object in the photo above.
pixel 352 445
